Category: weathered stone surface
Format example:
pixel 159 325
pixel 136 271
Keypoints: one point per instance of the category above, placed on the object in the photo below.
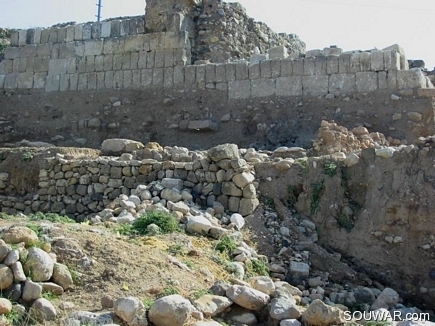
pixel 39 265
pixel 127 308
pixel 283 308
pixel 5 306
pixel 117 146
pixel 387 299
pixel 17 234
pixel 243 179
pixel 225 151
pixel 248 205
pixel 263 284
pixel 212 305
pixel 43 310
pixel 299 269
pixel 198 224
pixel 172 310
pixel 413 78
pixel 315 85
pixel 31 291
pixel 6 277
pixel 62 276
pixel 247 297
pixel 289 86
pixel 342 84
pixel 320 314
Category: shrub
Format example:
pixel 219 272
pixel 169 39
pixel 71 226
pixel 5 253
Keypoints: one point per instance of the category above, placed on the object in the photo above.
pixel 226 245
pixel 166 222
pixel 256 267
pixel 330 169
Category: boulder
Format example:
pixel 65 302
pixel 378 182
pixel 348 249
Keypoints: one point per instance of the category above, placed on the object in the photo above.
pixel 4 252
pixel 117 146
pixel 238 220
pixel 171 310
pixel 5 306
pixel 198 224
pixel 172 195
pixel 263 284
pixel 243 179
pixel 282 308
pixel 211 305
pixel 17 234
pixel 128 308
pixel 320 314
pixel 225 151
pixel 62 276
pixel 39 265
pixel 247 297
pixel 43 310
pixel 6 277
pixel 31 291
pixel 387 299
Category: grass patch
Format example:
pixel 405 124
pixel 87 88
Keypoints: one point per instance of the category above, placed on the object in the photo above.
pixel 176 249
pixel 268 202
pixel 76 276
pixel 52 217
pixel 226 246
pixel 195 295
pixel 126 229
pixel 169 290
pixel 27 156
pixel 166 222
pixel 147 303
pixel 256 267
pixel 345 222
pixel 330 169
pixel 14 318
pixel 303 163
pixel 35 228
pixel 50 296
pixel 315 198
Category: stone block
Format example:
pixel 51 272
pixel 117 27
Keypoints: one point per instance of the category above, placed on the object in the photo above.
pixel 265 69
pixel 20 65
pixel 239 89
pixel 314 53
pixel 146 77
pixel 70 33
pixel 202 125
pixel 100 80
pixel 14 38
pixel 105 29
pixel 115 28
pixel 392 60
pixel 113 46
pixel 258 58
pixel 190 75
pixel 78 32
pixel 99 63
pixel 366 81
pixel 67 50
pixel 222 87
pixel 80 48
pixel 151 56
pixel 11 81
pixel 39 80
pixel 298 67
pixel 57 66
pixel 177 40
pixel 2 80
pixel 377 61
pixel 55 51
pixel 289 86
pixel 124 28
pixel 403 62
pixel 43 50
pixel 135 84
pixel 29 50
pixel 12 53
pixel 332 51
pixel 344 63
pixel 96 30
pixel 210 74
pixel 81 64
pixel 200 74
pixel 412 78
pixel 22 37
pixel 117 61
pixel 320 65
pixel 168 76
pixel 133 44
pixel 64 83
pixel 157 41
pixel 355 65
pixel 134 60
pixel 93 47
pixel 52 83
pixel 179 75
pixel 37 36
pixel 87 31
pixel 241 69
pixel 182 57
pixel 6 67
pixel 275 66
pixel 158 76
pixel 332 63
pixel 315 85
pixel 92 80
pixel 169 58
pixel 127 78
pixel 61 35
pixel 278 52
pixel 220 73
pixel 82 82
pixel 382 79
pixel 108 79
pixel 262 87
pixel 365 61
pixel 45 34
pixel 41 64
pixel 340 84
pixel 142 60
pixel 159 59
pixel 52 37
pixel 230 71
pixel 309 66
pixel 73 81
pixel 254 70
pixel 392 79
pixel 25 80
pixel 286 68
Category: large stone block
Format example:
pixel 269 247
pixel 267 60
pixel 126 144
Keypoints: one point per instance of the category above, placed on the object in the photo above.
pixel 159 59
pixel 128 78
pixel 14 38
pixel 45 34
pixel 413 78
pixel 309 66
pixel 344 63
pixel 200 74
pixel 12 53
pixel 177 40
pixel 135 84
pixel 39 80
pixel 403 62
pixel 340 84
pixel 11 81
pixel 146 77
pixel 366 81
pixel 365 61
pixel 254 70
pixel 78 32
pixel 157 41
pixel 37 36
pixel 105 29
pixel 82 83
pixel 93 47
pixel 241 70
pixel 315 85
pixel 2 80
pixel 190 75
pixel 87 31
pixel 298 67
pixel 61 35
pixel 6 67
pixel 320 65
pixel 210 74
pixel 220 73
pixel 158 76
pixel 355 65
pixel 262 87
pixel 278 52
pixel 64 83
pixel 92 80
pixel 289 86
pixel 392 60
pixel 178 75
pixel 52 37
pixel 230 71
pixel 25 80
pixel 57 66
pixel 22 37
pixel 52 83
pixel 332 63
pixel 169 58
pixel 151 58
pixel 108 79
pixel 239 89
pixel 168 78
pixel 377 61
pixel 286 68
pixel 67 50
pixel 133 43
pixel 113 46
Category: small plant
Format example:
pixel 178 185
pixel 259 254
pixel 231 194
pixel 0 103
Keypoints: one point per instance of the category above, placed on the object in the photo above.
pixel 52 217
pixel 345 222
pixel 126 229
pixel 49 296
pixel 330 169
pixel 190 264
pixel 38 244
pixel 176 249
pixel 166 222
pixel 76 276
pixel 27 156
pixel 256 267
pixel 169 290
pixel 268 202
pixel 315 198
pixel 199 293
pixel 13 317
pixel 35 228
pixel 226 245
pixel 147 303
pixel 303 163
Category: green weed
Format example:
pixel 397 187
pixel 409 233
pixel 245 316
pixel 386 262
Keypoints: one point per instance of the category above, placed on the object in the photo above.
pixel 27 156
pixel 169 290
pixel 256 267
pixel 50 296
pixel 226 245
pixel 176 249
pixel 268 202
pixel 330 169
pixel 315 198
pixel 126 229
pixel 147 303
pixel 199 293
pixel 166 222
pixel 52 217
pixel 345 222
pixel 35 228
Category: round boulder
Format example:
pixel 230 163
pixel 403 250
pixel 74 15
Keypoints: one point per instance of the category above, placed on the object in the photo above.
pixel 39 265
pixel 6 277
pixel 18 234
pixel 172 310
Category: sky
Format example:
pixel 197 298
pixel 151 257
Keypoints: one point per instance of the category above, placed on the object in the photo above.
pixel 349 24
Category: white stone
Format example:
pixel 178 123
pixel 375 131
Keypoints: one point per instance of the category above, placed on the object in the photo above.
pixel 238 220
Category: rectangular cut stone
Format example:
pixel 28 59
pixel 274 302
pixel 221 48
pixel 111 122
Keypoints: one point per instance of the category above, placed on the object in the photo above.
pixel 392 79
pixel 28 50
pixel 169 58
pixel 87 31
pixel 105 29
pixel 309 66
pixel 45 34
pixel 241 70
pixel 124 28
pixel 377 61
pixel 92 80
pixel 210 73
pixel 151 59
pixel 265 69
pixel 118 79
pixel 366 81
pixel 320 65
pixel 100 80
pixel 22 37
pixel 382 79
pixel 6 67
pixel 158 76
pixel 146 77
pixel 57 66
pixel 64 83
pixel 115 28
pixel 80 48
pixel 52 83
pixel 113 46
pixel 298 67
pixel 254 70
pixel 179 75
pixel 142 61
pixel 90 63
pixel 159 58
pixel 117 61
pixel 275 66
pixel 70 33
pixel 286 68
pixel 412 78
pixel 25 80
pixel 391 60
pixel 12 53
pixel 239 89
pixel 67 50
pixel 176 40
pixel 78 32
pixel 43 50
pixel 108 79
pixel 332 63
pixel 136 79
pixel 355 65
pixel 52 37
pixel 230 71
pixel 73 81
pixel 93 47
pixel 133 44
pixel 222 87
pixel 200 73
pixel 157 41
pixel 340 84
pixel 134 59
pixel 41 64
pixel 81 64
pixel 61 35
pixel 11 81
pixel 128 78
pixel 55 51
pixel 315 85
pixel 344 63
pixel 168 76
pixel 21 64
pixel 82 82
pixel 365 61
pixel 182 57
pixel 289 86
pixel 262 87
pixel 37 36
pixel 2 80
pixel 190 75
pixel 96 31
pixel 39 80
pixel 99 63
pixel 14 38
pixel 278 52
pixel 220 73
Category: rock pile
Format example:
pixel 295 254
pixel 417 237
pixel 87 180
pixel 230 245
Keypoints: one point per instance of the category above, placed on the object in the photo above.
pixel 29 272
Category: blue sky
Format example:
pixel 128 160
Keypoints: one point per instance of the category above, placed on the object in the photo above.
pixel 351 25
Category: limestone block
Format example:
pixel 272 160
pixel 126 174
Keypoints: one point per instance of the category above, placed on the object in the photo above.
pixel 93 47
pixel 12 53
pixel 286 68
pixel 241 69
pixel 25 80
pixel 99 63
pixel 182 57
pixel 392 60
pixel 222 87
pixel 210 73
pixel 298 67
pixel 220 72
pixel 314 53
pixel 64 83
pixel 265 69
pixel 309 66
pixel 117 61
pixel 2 80
pixel 81 64
pixel 413 78
pixel 96 31
pixel 52 37
pixel 135 84
pixel 355 65
pixel 177 40
pixel 159 59
pixel 289 86
pixel 332 51
pixel 254 70
pixel 278 52
pixel 6 67
pixel 22 37
pixel 190 75
pixel 200 73
pixel 151 59
pixel 239 89
pixel 67 50
pixel 78 32
pixel 133 44
pixel 37 36
pixel 127 78
pixel 332 63
pixel 262 87
pixel 320 65
pixel 342 84
pixel 80 49
pixel 258 58
pixel 315 85
pixel 124 29
pixel 230 71
pixel 392 79
pixel 275 66
pixel 87 31
pixel 82 82
pixel 70 33
pixel 61 35
pixel 52 83
pixel 158 76
pixel 57 66
pixel 108 79
pixel 92 80
pixel 146 77
pixel 39 80
pixel 157 41
pixel 168 76
pixel 105 29
pixel 403 62
pixel 142 60
pixel 14 38
pixel 366 81
pixel 115 28
pixel 45 33
pixel 377 61
pixel 179 74
pixel 344 63
pixel 55 51
pixel 134 60
pixel 11 81
pixel 73 81
pixel 113 46
pixel 169 58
